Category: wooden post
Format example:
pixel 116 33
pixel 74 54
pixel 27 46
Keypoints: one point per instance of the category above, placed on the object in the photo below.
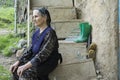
pixel 15 22
pixel 28 24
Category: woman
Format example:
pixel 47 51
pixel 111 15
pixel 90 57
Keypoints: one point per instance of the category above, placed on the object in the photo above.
pixel 42 56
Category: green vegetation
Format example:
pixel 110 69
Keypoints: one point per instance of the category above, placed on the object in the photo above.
pixel 7 13
pixel 8 44
pixel 8 41
pixel 4 74
pixel 7 3
pixel 7 22
pixel 7 17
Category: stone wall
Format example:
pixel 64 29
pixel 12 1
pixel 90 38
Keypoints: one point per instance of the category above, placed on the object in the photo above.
pixel 102 14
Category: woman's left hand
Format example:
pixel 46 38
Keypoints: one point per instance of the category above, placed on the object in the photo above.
pixel 20 70
pixel 23 68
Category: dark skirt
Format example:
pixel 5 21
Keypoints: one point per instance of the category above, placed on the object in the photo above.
pixel 37 72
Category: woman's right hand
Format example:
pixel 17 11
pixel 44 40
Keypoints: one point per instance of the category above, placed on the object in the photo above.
pixel 14 66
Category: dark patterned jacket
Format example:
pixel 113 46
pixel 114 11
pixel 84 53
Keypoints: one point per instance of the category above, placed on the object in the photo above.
pixel 49 47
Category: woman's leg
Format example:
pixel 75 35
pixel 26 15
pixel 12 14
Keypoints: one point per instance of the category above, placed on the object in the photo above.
pixel 44 69
pixel 45 77
pixel 29 74
pixel 15 76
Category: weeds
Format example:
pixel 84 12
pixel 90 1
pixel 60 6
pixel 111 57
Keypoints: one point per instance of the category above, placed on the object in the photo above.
pixel 4 74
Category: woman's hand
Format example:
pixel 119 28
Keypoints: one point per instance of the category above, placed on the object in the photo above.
pixel 14 66
pixel 20 70
pixel 23 68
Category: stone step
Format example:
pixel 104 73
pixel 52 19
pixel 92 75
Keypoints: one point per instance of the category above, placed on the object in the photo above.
pixel 83 70
pixel 52 3
pixel 71 51
pixel 60 13
pixel 66 27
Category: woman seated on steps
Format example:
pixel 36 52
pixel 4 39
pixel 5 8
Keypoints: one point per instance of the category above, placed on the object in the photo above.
pixel 42 56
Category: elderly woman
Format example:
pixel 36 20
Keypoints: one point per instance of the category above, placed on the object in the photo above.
pixel 42 56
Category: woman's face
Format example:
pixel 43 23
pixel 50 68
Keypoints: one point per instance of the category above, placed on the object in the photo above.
pixel 38 20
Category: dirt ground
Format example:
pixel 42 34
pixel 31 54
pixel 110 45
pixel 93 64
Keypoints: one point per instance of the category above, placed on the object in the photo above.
pixel 6 61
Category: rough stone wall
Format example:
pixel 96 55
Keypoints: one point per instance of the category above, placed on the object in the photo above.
pixel 103 15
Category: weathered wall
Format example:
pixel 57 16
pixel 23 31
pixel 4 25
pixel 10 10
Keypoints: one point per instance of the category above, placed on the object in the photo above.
pixel 21 11
pixel 102 14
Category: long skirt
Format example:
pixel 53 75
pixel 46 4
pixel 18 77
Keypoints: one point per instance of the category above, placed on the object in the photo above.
pixel 37 72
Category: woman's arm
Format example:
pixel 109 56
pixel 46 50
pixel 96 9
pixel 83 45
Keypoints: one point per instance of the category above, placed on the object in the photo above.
pixel 27 53
pixel 23 68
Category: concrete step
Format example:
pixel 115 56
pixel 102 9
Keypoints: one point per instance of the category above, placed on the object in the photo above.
pixel 83 70
pixel 66 27
pixel 71 51
pixel 60 13
pixel 51 3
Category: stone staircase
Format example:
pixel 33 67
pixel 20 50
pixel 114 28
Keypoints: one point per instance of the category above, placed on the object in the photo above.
pixel 82 70
pixel 65 27
pixel 75 66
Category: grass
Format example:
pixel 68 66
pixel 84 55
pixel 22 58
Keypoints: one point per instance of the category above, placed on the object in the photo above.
pixel 7 13
pixel 7 17
pixel 4 74
pixel 7 44
pixel 9 41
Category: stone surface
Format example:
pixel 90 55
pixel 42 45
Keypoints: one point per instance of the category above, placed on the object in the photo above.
pixel 62 13
pixel 52 3
pixel 71 51
pixel 76 71
pixel 21 43
pixel 65 28
pixel 104 20
pixel 59 13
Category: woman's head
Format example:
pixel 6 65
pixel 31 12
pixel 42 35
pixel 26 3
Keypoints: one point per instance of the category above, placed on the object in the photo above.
pixel 41 16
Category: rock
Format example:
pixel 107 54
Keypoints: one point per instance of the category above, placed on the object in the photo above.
pixel 19 53
pixel 21 43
